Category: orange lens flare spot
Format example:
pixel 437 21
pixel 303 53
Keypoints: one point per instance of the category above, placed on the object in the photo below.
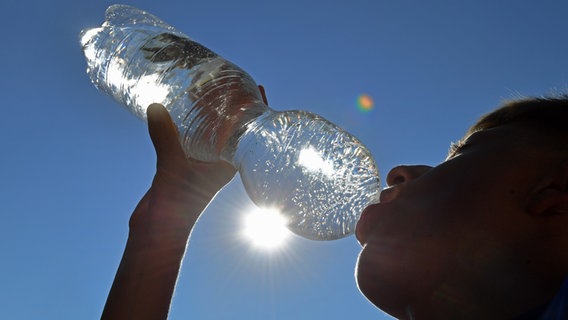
pixel 365 102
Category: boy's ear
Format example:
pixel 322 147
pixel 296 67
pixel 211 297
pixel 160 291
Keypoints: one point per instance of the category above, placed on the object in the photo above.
pixel 551 195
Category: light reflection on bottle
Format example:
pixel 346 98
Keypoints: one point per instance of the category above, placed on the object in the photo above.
pixel 311 160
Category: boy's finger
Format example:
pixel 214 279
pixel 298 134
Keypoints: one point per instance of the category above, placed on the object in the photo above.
pixel 163 133
pixel 263 94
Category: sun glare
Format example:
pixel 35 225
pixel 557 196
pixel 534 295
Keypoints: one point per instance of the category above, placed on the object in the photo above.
pixel 312 160
pixel 266 228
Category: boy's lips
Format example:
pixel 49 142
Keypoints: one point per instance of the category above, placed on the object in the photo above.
pixel 367 222
pixel 371 215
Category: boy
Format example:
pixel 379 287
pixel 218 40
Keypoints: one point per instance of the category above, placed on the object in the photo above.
pixel 483 235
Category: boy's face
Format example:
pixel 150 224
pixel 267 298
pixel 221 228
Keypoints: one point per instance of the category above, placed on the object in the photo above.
pixel 453 223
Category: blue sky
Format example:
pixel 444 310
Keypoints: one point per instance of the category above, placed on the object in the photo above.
pixel 74 163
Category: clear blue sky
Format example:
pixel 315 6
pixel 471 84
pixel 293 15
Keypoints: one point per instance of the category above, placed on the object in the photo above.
pixel 74 163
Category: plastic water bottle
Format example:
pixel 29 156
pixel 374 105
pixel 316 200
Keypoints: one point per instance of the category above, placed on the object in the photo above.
pixel 316 174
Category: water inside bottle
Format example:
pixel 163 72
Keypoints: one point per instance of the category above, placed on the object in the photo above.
pixel 319 176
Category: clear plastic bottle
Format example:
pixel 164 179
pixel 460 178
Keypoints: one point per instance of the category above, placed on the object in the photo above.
pixel 316 174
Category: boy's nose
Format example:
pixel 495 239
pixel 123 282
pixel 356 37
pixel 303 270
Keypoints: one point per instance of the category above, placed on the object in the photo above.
pixel 402 174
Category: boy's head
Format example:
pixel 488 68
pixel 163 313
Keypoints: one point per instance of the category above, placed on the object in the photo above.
pixel 484 232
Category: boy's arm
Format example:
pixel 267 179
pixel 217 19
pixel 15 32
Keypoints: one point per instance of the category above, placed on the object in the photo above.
pixel 161 225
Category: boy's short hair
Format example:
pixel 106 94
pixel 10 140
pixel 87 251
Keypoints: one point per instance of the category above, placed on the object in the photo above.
pixel 547 114
pixel 547 117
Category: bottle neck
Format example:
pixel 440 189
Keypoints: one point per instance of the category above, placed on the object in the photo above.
pixel 235 149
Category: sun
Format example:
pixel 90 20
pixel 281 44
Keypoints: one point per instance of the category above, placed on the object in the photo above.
pixel 265 228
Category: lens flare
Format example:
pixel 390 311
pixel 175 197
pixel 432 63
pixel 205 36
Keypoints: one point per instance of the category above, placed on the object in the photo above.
pixel 365 103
